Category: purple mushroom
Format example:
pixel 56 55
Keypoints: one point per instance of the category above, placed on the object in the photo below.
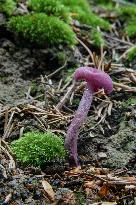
pixel 95 79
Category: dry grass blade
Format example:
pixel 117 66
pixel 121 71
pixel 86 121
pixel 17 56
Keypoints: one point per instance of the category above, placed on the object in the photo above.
pixel 57 70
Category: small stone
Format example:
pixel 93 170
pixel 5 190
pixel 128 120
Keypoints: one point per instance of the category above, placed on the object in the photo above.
pixel 37 195
pixel 2 19
pixel 102 155
pixel 2 51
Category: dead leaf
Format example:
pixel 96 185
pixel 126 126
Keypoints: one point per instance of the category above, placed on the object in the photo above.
pixel 8 198
pixel 75 171
pixel 48 190
pixel 90 185
pixel 104 191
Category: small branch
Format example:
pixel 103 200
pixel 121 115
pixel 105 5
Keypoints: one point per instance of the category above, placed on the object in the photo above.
pixel 88 50
pixel 58 70
pixel 9 125
pixel 86 27
pixel 66 96
pixel 125 87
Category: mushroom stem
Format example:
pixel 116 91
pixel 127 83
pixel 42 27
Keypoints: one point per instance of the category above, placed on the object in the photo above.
pixel 95 79
pixel 77 122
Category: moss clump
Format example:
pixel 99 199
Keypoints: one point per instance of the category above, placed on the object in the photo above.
pixel 131 53
pixel 79 10
pixel 61 56
pixel 97 38
pixel 131 28
pixel 80 198
pixel 8 7
pixel 107 6
pixel 83 4
pixel 128 10
pixel 36 148
pixel 50 7
pixel 42 29
pixel 130 101
pixel 89 18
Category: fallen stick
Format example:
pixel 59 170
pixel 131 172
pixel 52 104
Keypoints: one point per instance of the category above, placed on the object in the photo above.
pixel 66 97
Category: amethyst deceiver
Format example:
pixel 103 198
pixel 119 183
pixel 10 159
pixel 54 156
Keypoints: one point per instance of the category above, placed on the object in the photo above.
pixel 95 79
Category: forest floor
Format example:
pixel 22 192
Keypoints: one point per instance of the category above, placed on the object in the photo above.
pixel 33 83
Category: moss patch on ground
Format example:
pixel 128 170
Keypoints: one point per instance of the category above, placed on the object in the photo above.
pixel 55 8
pixel 42 29
pixel 36 148
pixel 8 7
pixel 131 28
pixel 129 102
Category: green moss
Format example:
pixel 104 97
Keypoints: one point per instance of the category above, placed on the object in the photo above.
pixel 36 148
pixel 8 7
pixel 84 5
pixel 54 7
pixel 128 10
pixel 80 198
pixel 79 10
pixel 131 53
pixel 42 29
pixel 97 38
pixel 111 7
pixel 131 28
pixel 130 101
pixel 61 56
pixel 89 18
pixel 101 1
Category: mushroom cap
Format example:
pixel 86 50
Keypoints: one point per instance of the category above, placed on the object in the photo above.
pixel 96 79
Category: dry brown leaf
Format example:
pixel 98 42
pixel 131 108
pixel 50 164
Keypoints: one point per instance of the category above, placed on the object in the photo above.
pixel 8 198
pixel 129 178
pixel 104 191
pixel 90 185
pixel 48 190
pixel 76 170
pixel 101 171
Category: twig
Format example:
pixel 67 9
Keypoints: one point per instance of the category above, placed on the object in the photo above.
pixel 118 40
pixel 6 151
pixel 84 26
pixel 88 50
pixel 101 60
pixel 66 96
pixel 8 125
pixel 58 70
pixel 133 78
pixel 125 87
